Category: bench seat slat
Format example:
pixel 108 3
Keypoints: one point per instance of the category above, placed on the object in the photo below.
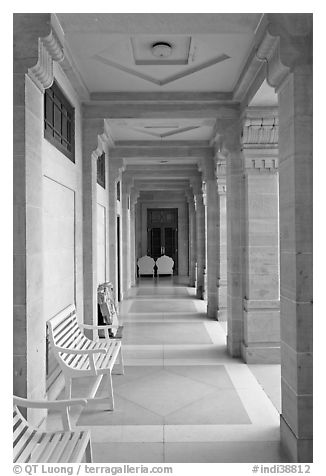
pixel 69 448
pixel 36 445
pixel 44 451
pixel 56 454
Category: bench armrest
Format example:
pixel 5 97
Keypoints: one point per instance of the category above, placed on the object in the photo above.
pixel 61 405
pixel 89 326
pixel 105 328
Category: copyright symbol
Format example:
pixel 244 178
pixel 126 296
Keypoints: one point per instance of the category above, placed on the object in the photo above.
pixel 17 469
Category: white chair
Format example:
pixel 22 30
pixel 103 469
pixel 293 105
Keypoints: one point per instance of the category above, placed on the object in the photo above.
pixel 146 265
pixel 164 265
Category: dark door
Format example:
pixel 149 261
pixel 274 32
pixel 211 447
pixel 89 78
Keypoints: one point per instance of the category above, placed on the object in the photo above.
pixel 162 227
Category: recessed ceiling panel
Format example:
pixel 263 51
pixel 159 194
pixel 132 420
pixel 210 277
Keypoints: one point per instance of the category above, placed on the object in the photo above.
pixel 143 48
pixel 155 129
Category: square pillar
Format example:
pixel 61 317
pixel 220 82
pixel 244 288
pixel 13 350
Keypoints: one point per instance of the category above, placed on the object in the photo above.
pixel 296 262
pixel 287 49
pixel 261 338
pixel 211 236
pixel 200 234
pixel 222 230
pixel 125 235
pixel 192 240
pixel 91 130
pixel 115 166
pixel 231 150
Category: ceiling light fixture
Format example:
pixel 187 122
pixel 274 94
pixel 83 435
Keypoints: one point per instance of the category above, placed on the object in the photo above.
pixel 162 49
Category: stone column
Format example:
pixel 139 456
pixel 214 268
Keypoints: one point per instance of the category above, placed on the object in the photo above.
pixel 289 57
pixel 192 239
pixel 261 303
pixel 115 167
pixel 230 132
pixel 200 234
pixel 138 219
pixel 133 200
pixel 222 265
pixel 125 235
pixel 35 49
pixel 212 236
pixel 91 129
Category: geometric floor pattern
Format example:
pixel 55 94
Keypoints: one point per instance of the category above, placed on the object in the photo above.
pixel 182 398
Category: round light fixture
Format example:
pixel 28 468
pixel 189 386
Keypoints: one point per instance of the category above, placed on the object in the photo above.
pixel 161 49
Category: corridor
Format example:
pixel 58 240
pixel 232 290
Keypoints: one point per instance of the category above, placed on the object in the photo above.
pixel 182 398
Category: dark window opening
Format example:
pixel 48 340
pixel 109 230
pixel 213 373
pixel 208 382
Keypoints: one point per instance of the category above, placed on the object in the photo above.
pixel 101 170
pixel 59 118
pixel 118 191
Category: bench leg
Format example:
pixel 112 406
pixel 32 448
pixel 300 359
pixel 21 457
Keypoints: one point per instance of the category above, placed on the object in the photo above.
pixel 109 380
pixel 120 364
pixel 68 382
pixel 88 453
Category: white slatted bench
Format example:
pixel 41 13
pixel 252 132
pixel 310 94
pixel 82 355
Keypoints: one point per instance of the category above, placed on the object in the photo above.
pixel 79 356
pixel 31 445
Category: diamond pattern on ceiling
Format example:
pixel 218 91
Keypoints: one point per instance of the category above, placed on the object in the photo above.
pixel 137 59
pixel 142 50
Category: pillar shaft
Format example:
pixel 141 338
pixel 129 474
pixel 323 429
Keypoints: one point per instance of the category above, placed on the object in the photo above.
pixel 192 243
pixel 295 148
pixel 125 236
pixel 200 233
pixel 212 246
pixel 114 173
pixel 235 235
pixel 222 276
pixel 261 340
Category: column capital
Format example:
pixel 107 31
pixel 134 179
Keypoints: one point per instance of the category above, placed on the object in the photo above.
pixel 229 132
pixel 207 167
pixel 220 172
pixel 286 45
pixel 196 185
pixel 116 166
pixel 36 47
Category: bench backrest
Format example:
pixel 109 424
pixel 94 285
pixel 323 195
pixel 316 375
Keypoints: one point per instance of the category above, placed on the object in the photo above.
pixel 64 330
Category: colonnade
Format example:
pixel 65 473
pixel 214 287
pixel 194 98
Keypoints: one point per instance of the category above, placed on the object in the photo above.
pixel 250 216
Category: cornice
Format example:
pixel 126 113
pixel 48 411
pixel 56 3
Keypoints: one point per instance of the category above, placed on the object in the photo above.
pixel 49 50
pixel 185 151
pixel 191 97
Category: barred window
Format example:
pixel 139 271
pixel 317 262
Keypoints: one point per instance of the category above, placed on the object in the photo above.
pixel 101 170
pixel 59 118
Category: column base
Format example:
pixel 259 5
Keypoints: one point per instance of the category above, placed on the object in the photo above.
pixel 233 348
pixel 212 308
pixel 199 292
pixel 263 354
pixel 222 314
pixel 298 450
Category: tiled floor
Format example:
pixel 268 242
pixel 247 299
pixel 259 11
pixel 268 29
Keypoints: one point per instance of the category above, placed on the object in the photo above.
pixel 182 398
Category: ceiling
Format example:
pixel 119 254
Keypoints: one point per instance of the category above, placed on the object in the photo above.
pixel 113 57
pixel 211 47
